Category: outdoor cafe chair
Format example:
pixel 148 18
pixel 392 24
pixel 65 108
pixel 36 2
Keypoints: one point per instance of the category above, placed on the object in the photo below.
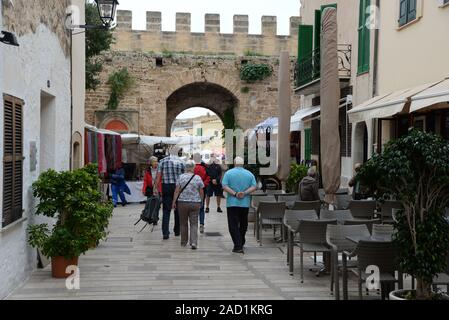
pixel 274 192
pixel 362 209
pixel 280 195
pixel 312 238
pixel 381 254
pixel 254 207
pixel 307 205
pixel 321 194
pixel 386 209
pixel 270 213
pixel 340 215
pixel 336 238
pixel 288 199
pixel 291 223
pixel 343 201
pixel 383 231
pixel 368 222
pixel 442 278
pixel 259 193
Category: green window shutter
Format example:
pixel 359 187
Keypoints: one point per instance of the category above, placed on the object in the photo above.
pixel 411 11
pixel 199 132
pixel 308 144
pixel 403 12
pixel 364 38
pixel 305 50
pixel 317 29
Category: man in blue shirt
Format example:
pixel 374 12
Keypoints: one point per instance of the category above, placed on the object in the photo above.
pixel 239 183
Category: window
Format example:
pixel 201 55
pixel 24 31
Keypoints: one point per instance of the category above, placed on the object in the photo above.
pixel 199 132
pixel 12 160
pixel 364 38
pixel 407 11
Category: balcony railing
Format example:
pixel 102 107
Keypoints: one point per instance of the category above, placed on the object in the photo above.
pixel 309 69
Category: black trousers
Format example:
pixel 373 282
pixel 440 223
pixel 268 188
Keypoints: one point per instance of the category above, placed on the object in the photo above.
pixel 238 225
pixel 168 191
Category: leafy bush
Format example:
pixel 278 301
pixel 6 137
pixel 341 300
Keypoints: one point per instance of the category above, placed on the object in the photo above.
pixel 120 82
pixel 297 173
pixel 73 198
pixel 415 170
pixel 252 72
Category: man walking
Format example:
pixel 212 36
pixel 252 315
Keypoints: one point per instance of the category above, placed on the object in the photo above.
pixel 238 183
pixel 215 187
pixel 169 170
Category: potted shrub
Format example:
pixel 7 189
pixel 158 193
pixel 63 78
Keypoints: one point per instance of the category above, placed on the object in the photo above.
pixel 297 173
pixel 415 170
pixel 74 200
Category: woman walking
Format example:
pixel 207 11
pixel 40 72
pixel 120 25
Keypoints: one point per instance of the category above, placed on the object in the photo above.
pixel 188 198
pixel 152 190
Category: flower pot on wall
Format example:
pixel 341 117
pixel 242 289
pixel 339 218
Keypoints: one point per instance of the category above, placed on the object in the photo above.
pixel 59 266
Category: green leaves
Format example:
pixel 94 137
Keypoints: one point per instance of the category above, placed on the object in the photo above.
pixel 297 173
pixel 73 198
pixel 120 82
pixel 252 72
pixel 415 170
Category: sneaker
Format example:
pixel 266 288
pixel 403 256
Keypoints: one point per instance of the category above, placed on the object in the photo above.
pixel 207 210
pixel 237 250
pixel 201 228
pixel 193 247
pixel 165 237
pixel 219 210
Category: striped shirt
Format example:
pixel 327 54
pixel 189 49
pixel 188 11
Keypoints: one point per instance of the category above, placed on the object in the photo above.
pixel 170 169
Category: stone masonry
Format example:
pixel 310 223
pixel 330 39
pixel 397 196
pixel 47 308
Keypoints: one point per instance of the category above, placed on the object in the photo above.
pixel 174 71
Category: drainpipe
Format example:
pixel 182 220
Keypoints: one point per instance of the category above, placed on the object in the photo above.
pixel 376 51
pixel 71 100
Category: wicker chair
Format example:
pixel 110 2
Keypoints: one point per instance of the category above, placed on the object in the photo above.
pixel 373 253
pixel 340 215
pixel 369 223
pixel 362 209
pixel 442 278
pixel 291 223
pixel 383 231
pixel 308 205
pixel 270 213
pixel 312 238
pixel 336 237
pixel 254 204
pixel 343 201
pixel 386 209
pixel 289 199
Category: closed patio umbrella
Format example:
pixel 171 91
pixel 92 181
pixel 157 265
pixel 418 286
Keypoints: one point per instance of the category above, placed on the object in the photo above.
pixel 330 97
pixel 283 155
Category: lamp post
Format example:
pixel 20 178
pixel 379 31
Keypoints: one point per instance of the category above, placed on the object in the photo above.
pixel 107 10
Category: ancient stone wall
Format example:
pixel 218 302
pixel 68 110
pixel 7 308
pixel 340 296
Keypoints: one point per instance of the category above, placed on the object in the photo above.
pixel 210 42
pixel 160 92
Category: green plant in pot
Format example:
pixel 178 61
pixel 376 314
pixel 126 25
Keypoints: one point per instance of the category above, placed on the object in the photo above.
pixel 415 170
pixel 73 199
pixel 297 173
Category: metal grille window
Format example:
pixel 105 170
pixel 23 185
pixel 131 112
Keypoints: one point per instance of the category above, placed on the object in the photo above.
pixel 12 160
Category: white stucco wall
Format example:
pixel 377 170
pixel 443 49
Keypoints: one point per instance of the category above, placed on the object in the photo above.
pixel 24 72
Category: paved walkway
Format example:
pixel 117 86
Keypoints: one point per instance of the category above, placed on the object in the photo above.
pixel 129 265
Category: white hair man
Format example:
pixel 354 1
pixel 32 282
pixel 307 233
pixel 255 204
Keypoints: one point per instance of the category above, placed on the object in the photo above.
pixel 239 183
pixel 309 185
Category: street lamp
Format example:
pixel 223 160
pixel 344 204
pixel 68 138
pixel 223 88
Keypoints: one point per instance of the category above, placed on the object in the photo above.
pixel 107 10
pixel 9 38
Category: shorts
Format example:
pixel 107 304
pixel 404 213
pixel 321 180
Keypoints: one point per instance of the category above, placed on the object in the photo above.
pixel 216 190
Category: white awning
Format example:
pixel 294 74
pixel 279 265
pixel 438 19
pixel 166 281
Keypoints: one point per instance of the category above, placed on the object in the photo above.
pixel 436 94
pixel 386 105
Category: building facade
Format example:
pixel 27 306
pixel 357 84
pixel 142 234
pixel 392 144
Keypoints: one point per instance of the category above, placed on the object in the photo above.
pixel 413 72
pixel 35 121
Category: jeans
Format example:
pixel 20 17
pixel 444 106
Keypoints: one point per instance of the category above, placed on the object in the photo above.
pixel 202 214
pixel 168 191
pixel 117 190
pixel 188 214
pixel 238 225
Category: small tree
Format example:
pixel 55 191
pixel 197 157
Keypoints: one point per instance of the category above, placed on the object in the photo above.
pixel 120 82
pixel 97 41
pixel 415 170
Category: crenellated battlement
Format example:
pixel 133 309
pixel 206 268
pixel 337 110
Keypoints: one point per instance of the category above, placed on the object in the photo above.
pixel 211 41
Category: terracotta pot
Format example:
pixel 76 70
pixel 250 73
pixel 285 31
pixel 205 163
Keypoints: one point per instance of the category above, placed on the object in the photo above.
pixel 59 266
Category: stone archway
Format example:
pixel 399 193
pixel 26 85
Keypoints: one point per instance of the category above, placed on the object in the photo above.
pixel 199 94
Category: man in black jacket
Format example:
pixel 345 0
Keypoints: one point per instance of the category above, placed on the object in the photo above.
pixel 215 173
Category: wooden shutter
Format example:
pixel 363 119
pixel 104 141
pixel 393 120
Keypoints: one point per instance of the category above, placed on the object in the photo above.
pixel 13 160
pixel 403 12
pixel 317 29
pixel 364 38
pixel 305 54
pixel 307 144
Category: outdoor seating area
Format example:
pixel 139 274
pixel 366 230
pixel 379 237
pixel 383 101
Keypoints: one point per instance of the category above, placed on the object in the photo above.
pixel 349 240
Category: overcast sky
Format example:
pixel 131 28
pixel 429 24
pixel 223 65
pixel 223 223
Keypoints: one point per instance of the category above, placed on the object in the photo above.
pixel 283 9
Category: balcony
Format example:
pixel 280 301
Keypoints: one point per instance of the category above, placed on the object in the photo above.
pixel 307 71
